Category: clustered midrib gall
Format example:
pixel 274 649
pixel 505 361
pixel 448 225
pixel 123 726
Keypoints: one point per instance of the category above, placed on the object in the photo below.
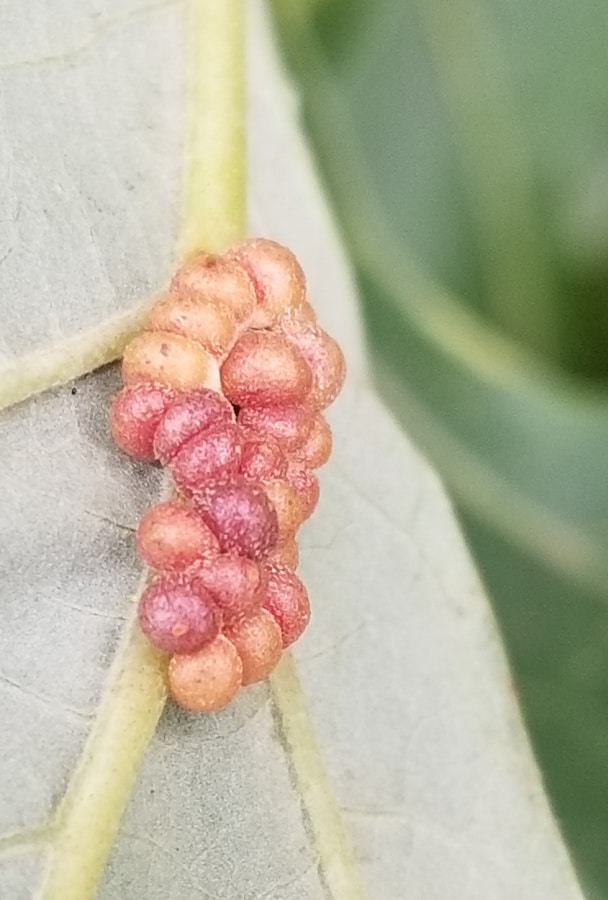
pixel 225 386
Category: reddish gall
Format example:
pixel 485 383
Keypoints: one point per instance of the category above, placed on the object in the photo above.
pixel 214 453
pixel 208 323
pixel 176 617
pixel 217 279
pixel 191 414
pixel 172 536
pixel 240 514
pixel 259 643
pixel 208 679
pixel 265 369
pixel 169 359
pixel 290 425
pixel 135 414
pixel 287 600
pixel 277 277
pixel 237 584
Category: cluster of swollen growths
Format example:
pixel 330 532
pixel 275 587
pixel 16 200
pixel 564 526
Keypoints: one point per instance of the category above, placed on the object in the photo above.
pixel 225 386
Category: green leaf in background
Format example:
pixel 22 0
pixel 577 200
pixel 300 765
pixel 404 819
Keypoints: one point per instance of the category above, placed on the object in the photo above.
pixel 428 774
pixel 465 146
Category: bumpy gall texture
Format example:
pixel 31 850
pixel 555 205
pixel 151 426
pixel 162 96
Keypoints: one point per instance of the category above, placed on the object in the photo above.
pixel 259 643
pixel 214 453
pixel 135 415
pixel 191 414
pixel 236 584
pixel 265 369
pixel 284 554
pixel 171 536
pixel 210 324
pixel 206 680
pixel 262 458
pixel 290 425
pixel 176 617
pixel 240 514
pixel 306 484
pixel 169 359
pixel 225 386
pixel 276 275
pixel 288 505
pixel 325 359
pixel 287 600
pixel 316 449
pixel 217 279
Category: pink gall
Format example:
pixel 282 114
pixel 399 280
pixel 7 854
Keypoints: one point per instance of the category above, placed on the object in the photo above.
pixel 172 536
pixel 277 277
pixel 240 514
pixel 191 414
pixel 175 617
pixel 264 369
pixel 135 415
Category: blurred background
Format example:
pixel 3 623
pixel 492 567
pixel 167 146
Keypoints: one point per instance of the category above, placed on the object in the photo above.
pixel 464 145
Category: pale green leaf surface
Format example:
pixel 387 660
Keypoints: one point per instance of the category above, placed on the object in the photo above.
pixel 409 693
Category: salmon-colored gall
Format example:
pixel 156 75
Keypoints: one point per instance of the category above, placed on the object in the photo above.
pixel 135 414
pixel 169 359
pixel 259 643
pixel 240 514
pixel 262 458
pixel 217 279
pixel 306 485
pixel 265 369
pixel 284 554
pixel 208 679
pixel 326 362
pixel 316 449
pixel 237 584
pixel 172 536
pixel 214 453
pixel 290 425
pixel 288 505
pixel 190 414
pixel 209 323
pixel 176 617
pixel 277 277
pixel 287 600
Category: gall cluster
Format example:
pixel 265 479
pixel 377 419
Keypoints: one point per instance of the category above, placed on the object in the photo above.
pixel 226 387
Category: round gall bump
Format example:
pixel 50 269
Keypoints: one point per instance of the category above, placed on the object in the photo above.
pixel 264 369
pixel 288 505
pixel 189 415
pixel 290 425
pixel 259 643
pixel 171 536
pixel 240 514
pixel 175 617
pixel 217 279
pixel 135 415
pixel 316 449
pixel 169 359
pixel 277 276
pixel 212 454
pixel 210 324
pixel 236 584
pixel 287 600
pixel 206 680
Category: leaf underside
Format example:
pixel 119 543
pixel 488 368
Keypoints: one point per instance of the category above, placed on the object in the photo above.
pixel 429 778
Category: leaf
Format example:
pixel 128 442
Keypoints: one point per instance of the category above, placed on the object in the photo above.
pixel 429 778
